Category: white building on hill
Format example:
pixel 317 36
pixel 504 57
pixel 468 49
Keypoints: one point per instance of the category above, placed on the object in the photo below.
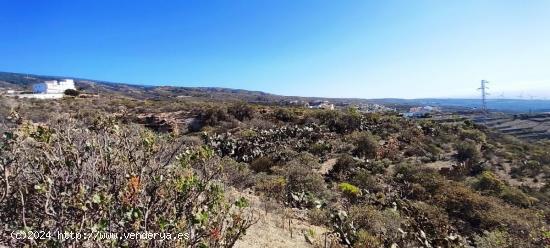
pixel 53 86
pixel 321 105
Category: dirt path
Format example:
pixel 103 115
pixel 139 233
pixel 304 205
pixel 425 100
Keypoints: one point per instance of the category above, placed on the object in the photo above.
pixel 327 166
pixel 438 165
pixel 272 229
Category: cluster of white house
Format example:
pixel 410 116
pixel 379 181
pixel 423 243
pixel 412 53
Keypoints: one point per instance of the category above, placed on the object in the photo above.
pixel 321 105
pixel 421 111
pixel 53 86
pixel 317 104
pixel 50 89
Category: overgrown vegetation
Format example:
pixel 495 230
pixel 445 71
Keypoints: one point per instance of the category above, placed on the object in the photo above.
pixel 373 179
pixel 66 176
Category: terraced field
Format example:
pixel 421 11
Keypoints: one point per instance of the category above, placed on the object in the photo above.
pixel 535 126
pixel 524 126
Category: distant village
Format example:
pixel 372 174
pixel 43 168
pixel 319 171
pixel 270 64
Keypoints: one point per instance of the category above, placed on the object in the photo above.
pixel 55 89
pixel 325 104
pixel 422 112
pixel 413 112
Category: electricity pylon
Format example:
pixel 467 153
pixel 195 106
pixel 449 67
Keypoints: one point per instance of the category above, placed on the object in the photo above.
pixel 484 94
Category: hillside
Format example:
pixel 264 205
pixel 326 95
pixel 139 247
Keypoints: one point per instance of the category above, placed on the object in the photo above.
pixel 20 81
pixel 524 126
pixel 529 127
pixel 241 174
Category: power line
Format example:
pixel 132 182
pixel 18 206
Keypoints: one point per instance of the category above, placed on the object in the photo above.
pixel 484 94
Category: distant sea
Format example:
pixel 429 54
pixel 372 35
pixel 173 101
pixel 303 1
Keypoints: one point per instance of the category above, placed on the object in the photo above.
pixel 501 105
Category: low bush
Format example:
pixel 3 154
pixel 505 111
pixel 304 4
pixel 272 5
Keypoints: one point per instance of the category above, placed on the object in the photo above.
pixel 340 122
pixel 517 197
pixel 476 211
pixel 71 92
pixel 271 186
pixel 378 166
pixel 299 177
pixel 468 151
pixel 366 239
pixel 236 174
pixel 262 164
pixel 241 111
pixel 319 216
pixel 349 190
pixel 494 239
pixel 213 116
pixel 365 180
pixel 473 134
pixel 285 115
pixel 344 165
pixel 489 183
pixel 320 148
pixel 366 144
pixel 433 220
pixel 384 225
pixel 69 177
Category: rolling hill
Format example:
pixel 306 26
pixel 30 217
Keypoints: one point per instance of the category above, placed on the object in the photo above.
pixel 20 81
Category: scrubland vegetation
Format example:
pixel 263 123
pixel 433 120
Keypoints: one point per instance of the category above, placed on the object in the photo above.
pixel 92 165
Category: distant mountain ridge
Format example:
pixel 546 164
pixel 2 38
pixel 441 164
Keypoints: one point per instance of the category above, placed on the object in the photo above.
pixel 21 81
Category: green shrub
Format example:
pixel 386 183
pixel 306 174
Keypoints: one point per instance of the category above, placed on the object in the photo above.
pixel 543 157
pixel 494 239
pixel 365 239
pixel 489 182
pixel 433 220
pixel 285 115
pixel 299 177
pixel 241 111
pixel 349 190
pixel 262 164
pixel 237 174
pixel 271 186
pixel 378 166
pixel 340 122
pixel 416 151
pixel 117 178
pixel 319 216
pixel 467 151
pixel 248 133
pixel 473 134
pixel 320 148
pixel 382 224
pixel 71 92
pixel 366 145
pixel 344 164
pixel 517 197
pixel 461 202
pixel 486 213
pixel 214 116
pixel 365 180
pixel 425 181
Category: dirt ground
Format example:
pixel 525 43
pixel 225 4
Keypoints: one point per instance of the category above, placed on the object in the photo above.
pixel 274 230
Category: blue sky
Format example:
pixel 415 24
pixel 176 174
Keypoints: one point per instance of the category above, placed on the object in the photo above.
pixel 367 49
